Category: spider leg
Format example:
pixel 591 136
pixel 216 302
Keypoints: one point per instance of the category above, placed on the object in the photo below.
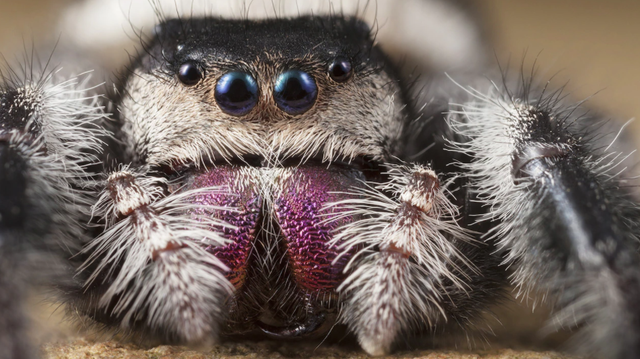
pixel 562 216
pixel 412 266
pixel 48 130
pixel 150 260
pixel 15 237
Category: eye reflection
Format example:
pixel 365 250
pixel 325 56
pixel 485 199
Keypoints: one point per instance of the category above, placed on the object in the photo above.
pixel 295 91
pixel 236 93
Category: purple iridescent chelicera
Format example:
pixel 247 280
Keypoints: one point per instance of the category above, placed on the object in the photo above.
pixel 299 207
pixel 244 210
pixel 302 215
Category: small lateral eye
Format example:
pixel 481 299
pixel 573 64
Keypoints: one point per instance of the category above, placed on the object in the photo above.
pixel 189 73
pixel 340 69
pixel 236 93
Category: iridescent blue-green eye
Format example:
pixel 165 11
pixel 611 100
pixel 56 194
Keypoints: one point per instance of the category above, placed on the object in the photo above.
pixel 295 91
pixel 236 93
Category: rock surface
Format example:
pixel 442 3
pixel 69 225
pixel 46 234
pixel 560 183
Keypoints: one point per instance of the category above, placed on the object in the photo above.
pixel 83 349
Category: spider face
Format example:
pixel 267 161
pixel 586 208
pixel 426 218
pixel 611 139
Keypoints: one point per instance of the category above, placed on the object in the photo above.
pixel 289 116
pixel 265 92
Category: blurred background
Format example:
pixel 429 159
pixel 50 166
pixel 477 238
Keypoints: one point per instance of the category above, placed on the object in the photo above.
pixel 591 44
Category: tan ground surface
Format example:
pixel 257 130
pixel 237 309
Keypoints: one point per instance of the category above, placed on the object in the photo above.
pixel 82 349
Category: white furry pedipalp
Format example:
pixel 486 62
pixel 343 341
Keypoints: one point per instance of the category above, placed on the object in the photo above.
pixel 166 277
pixel 386 292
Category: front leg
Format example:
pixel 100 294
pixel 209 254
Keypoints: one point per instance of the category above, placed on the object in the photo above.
pixel 18 240
pixel 565 222
pixel 48 130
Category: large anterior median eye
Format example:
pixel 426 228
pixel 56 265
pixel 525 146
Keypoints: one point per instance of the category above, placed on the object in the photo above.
pixel 295 91
pixel 236 93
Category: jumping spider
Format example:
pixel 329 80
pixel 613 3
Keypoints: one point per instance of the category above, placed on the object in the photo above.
pixel 276 178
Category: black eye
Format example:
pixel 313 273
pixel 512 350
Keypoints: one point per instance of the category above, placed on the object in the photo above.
pixel 295 91
pixel 340 69
pixel 189 73
pixel 236 93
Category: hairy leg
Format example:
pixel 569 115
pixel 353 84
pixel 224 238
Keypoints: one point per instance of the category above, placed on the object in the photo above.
pixel 48 128
pixel 563 217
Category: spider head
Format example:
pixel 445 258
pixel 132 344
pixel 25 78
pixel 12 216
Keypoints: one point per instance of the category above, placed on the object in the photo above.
pixel 211 90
